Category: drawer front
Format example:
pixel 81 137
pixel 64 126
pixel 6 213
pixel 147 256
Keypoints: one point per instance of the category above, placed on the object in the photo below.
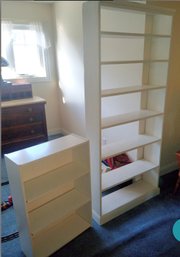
pixel 22 115
pixel 22 132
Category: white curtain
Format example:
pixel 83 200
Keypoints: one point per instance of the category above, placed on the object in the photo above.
pixel 24 46
pixel 6 41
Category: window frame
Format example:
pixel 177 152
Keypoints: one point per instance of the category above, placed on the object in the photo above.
pixel 44 54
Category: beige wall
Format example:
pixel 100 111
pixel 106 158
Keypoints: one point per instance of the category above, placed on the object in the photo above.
pixel 69 47
pixel 49 90
pixel 171 135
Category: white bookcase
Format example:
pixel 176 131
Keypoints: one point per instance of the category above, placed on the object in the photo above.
pixel 50 186
pixel 126 54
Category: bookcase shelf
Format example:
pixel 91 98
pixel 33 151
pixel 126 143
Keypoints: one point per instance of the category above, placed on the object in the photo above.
pixel 128 90
pixel 113 149
pixel 127 117
pixel 126 34
pixel 66 231
pixel 123 199
pixel 50 185
pixel 132 61
pixel 126 68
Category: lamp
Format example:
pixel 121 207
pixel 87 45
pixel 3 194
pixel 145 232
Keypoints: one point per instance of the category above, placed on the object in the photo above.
pixel 4 63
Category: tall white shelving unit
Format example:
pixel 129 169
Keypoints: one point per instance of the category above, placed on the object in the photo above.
pixel 126 54
pixel 50 186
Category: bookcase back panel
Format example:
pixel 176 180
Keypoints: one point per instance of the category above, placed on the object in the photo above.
pixel 117 20
pixel 41 166
pixel 156 100
pixel 112 48
pixel 158 73
pixel 120 104
pixel 162 24
pixel 114 76
pixel 154 126
pixel 160 48
pixel 121 132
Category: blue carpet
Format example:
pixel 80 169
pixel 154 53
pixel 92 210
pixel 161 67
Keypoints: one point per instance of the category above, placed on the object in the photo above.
pixel 145 231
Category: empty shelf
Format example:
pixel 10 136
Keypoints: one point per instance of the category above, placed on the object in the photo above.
pixel 51 181
pixel 115 148
pixel 54 238
pixel 126 90
pixel 63 205
pixel 128 117
pixel 131 61
pixel 126 196
pixel 129 34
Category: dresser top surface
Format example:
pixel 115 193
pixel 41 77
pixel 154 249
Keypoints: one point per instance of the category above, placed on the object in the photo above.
pixel 25 101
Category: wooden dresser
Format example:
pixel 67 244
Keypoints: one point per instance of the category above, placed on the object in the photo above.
pixel 23 123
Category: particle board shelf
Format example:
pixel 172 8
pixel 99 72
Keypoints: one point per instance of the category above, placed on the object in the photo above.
pixel 127 118
pixel 52 181
pixel 137 7
pixel 129 60
pixel 118 176
pixel 129 34
pixel 62 233
pixel 133 61
pixel 115 148
pixel 127 196
pixel 130 89
pixel 50 186
pixel 66 203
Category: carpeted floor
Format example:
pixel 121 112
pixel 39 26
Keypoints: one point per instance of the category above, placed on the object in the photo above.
pixel 145 231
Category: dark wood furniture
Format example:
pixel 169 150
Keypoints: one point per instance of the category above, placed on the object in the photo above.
pixel 16 91
pixel 23 123
pixel 177 185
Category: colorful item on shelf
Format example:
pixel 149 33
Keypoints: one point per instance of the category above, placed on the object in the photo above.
pixel 116 161
pixel 105 167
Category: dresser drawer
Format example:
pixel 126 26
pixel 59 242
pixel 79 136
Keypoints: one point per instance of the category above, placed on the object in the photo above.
pixel 23 123
pixel 22 131
pixel 24 115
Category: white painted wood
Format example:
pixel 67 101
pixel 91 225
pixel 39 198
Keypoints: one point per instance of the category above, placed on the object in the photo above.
pixel 42 199
pixel 67 203
pixel 125 146
pixel 137 7
pixel 133 61
pixel 127 117
pixel 52 180
pixel 124 173
pixel 131 88
pixel 56 196
pixel 19 206
pixel 126 90
pixel 91 37
pixel 40 151
pixel 131 34
pixel 138 199
pixel 61 233
pixel 124 196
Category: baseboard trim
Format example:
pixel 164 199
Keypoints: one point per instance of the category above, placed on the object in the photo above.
pixel 95 216
pixel 65 132
pixel 55 132
pixel 168 168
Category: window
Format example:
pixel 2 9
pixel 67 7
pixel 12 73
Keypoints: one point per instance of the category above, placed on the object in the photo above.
pixel 25 48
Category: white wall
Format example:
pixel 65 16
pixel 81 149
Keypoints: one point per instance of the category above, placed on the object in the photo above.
pixel 28 11
pixel 69 46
